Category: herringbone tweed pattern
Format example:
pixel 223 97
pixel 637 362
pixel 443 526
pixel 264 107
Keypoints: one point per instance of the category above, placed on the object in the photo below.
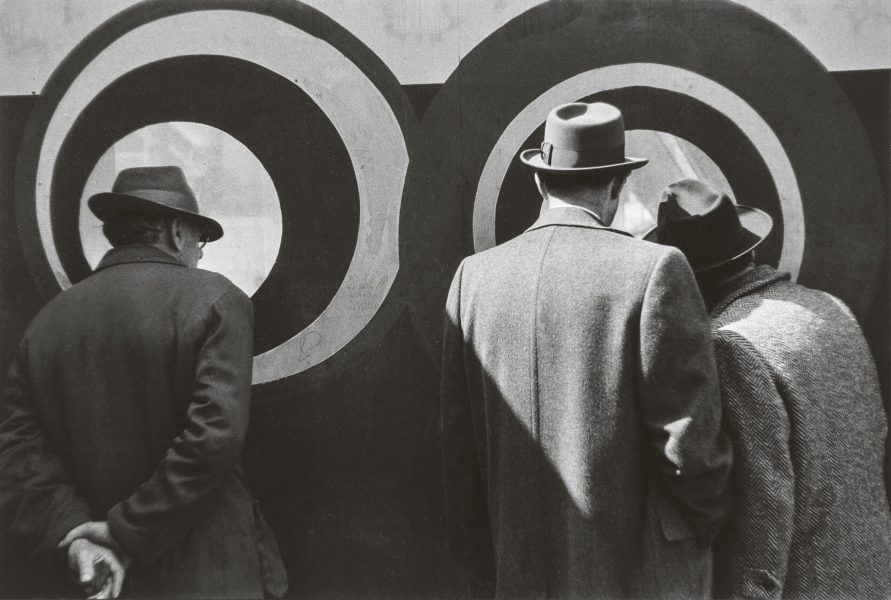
pixel 803 407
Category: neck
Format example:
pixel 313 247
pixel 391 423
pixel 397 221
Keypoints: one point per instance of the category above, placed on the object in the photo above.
pixel 172 252
pixel 594 207
pixel 716 286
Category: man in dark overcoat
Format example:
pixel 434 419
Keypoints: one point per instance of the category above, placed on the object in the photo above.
pixel 803 408
pixel 577 374
pixel 126 406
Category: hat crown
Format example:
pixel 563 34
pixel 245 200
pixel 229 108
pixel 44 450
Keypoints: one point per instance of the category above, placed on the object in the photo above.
pixel 692 208
pixel 583 137
pixel 165 185
pixel 693 196
pixel 582 127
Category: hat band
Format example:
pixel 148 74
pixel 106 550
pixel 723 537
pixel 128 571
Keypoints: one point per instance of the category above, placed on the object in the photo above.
pixel 565 158
pixel 168 198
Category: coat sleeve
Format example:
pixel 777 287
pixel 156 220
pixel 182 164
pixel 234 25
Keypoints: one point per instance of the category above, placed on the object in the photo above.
pixel 752 554
pixel 680 396
pixel 160 512
pixel 38 501
pixel 466 513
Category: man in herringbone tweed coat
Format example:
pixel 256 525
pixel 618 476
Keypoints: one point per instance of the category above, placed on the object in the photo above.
pixel 804 411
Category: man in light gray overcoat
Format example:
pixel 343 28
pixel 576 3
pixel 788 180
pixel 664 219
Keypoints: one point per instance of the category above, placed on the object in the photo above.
pixel 803 407
pixel 577 374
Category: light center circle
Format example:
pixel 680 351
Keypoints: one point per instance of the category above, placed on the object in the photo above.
pixel 231 185
pixel 671 158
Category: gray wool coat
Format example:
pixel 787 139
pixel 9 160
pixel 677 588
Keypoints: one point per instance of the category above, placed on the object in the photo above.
pixel 803 407
pixel 577 369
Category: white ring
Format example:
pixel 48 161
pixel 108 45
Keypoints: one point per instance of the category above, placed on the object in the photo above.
pixel 358 110
pixel 656 76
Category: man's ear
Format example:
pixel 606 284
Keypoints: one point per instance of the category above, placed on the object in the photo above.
pixel 177 234
pixel 616 186
pixel 541 185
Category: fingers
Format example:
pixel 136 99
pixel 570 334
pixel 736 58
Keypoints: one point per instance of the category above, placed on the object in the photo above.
pixel 111 579
pixel 72 535
pixel 95 531
pixel 84 562
pixel 98 569
pixel 102 575
pixel 105 592
pixel 117 577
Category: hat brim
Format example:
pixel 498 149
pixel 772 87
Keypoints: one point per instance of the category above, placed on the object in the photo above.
pixel 532 158
pixel 105 204
pixel 755 220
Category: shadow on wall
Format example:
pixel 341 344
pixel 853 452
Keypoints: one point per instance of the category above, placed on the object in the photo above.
pixel 348 475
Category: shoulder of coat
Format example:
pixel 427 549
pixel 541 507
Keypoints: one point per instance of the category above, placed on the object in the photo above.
pixel 216 285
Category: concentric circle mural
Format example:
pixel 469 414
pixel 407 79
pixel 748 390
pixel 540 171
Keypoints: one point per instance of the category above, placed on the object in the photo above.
pixel 377 201
pixel 771 119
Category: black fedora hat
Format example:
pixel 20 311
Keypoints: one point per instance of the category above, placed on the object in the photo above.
pixel 583 137
pixel 707 226
pixel 158 190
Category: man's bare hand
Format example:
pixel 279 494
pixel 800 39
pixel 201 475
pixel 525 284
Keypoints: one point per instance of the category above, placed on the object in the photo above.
pixel 98 569
pixel 95 531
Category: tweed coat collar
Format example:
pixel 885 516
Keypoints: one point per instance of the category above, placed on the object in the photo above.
pixel 571 217
pixel 136 253
pixel 756 279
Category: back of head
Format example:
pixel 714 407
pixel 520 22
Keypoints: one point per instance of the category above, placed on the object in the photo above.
pixel 717 236
pixel 582 158
pixel 565 185
pixel 707 226
pixel 135 227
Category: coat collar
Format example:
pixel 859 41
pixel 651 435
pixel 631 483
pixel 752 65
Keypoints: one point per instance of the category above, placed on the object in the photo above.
pixel 571 217
pixel 136 253
pixel 756 279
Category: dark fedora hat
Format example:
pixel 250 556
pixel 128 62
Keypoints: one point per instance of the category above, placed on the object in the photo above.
pixel 707 226
pixel 157 190
pixel 583 137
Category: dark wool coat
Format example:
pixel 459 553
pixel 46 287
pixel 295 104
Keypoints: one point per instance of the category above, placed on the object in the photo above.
pixel 577 363
pixel 803 407
pixel 128 401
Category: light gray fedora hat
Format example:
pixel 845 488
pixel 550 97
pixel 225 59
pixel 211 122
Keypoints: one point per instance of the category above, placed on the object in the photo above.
pixel 583 137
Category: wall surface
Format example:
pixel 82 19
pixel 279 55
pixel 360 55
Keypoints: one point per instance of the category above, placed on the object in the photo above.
pixel 356 150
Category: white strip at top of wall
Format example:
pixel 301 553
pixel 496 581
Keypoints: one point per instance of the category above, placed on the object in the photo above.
pixel 422 42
